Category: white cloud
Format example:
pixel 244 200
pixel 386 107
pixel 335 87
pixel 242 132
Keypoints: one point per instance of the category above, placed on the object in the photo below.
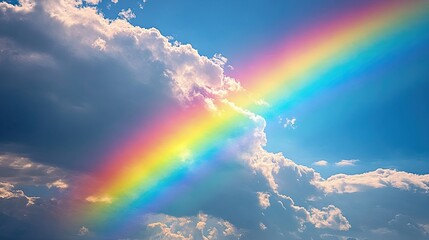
pixel 202 226
pixel 193 76
pixel 93 2
pixel 115 1
pixel 24 6
pixel 344 163
pixel 7 191
pixel 219 59
pixel 58 184
pixel 262 226
pixel 321 163
pixel 329 217
pixel 264 200
pixel 380 178
pixel 126 14
pixel 270 165
pixel 290 122
pixel 280 173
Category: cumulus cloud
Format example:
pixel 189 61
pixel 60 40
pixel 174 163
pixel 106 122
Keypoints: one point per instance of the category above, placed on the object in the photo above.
pixel 273 167
pixel 60 69
pixel 344 163
pixel 329 217
pixel 321 163
pixel 286 177
pixel 380 178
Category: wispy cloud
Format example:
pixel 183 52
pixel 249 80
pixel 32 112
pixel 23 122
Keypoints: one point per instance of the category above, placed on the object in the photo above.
pixel 321 163
pixel 288 122
pixel 127 14
pixel 344 163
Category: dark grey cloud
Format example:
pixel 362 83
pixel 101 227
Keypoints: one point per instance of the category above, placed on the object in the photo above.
pixel 59 107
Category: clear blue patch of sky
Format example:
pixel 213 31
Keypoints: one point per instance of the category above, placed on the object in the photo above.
pixel 232 28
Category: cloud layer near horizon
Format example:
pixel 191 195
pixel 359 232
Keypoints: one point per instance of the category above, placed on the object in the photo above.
pixel 71 81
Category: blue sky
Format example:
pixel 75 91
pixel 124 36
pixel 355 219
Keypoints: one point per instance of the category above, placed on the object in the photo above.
pixel 79 77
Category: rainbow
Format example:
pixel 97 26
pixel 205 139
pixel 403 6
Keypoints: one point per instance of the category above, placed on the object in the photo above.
pixel 349 43
pixel 181 148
